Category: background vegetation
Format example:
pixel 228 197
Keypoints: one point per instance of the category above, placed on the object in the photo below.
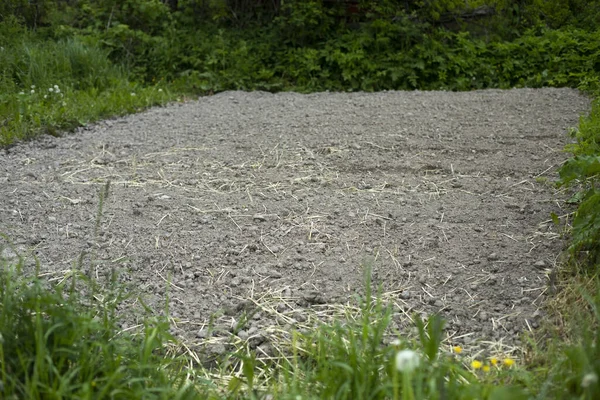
pixel 65 63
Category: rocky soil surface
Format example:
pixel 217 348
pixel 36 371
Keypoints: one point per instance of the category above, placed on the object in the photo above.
pixel 274 203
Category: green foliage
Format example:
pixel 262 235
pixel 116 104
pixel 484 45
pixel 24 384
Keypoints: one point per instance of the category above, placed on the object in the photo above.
pixel 584 170
pixel 48 86
pixel 586 227
pixel 71 62
pixel 586 224
pixel 583 14
pixel 574 364
pixel 588 132
pixel 32 14
pixel 580 167
pixel 55 343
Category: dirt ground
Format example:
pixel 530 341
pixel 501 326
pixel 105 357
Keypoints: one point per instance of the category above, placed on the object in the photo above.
pixel 273 203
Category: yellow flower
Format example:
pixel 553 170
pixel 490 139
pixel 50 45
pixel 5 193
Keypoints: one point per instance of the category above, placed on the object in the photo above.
pixel 486 368
pixel 508 362
pixel 476 364
pixel 457 349
pixel 494 361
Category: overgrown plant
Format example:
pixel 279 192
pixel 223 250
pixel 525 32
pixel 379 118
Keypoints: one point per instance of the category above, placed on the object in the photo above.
pixel 54 343
pixel 584 169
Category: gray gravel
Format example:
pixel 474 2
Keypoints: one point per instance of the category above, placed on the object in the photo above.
pixel 242 195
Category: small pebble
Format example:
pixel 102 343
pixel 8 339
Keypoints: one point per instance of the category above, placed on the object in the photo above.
pixel 202 334
pixel 259 217
pixel 492 257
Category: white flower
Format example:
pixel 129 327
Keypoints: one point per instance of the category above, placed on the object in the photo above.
pixel 45 96
pixel 133 94
pixel 160 90
pixel 51 90
pixel 407 361
pixel 21 92
pixel 589 379
pixel 33 86
pixel 57 90
pixel 32 91
pixel 55 87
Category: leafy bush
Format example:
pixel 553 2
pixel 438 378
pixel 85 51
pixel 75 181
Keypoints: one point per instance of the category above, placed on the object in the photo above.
pixel 584 169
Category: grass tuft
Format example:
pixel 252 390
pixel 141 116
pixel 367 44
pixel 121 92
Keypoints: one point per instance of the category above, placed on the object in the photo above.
pixel 58 343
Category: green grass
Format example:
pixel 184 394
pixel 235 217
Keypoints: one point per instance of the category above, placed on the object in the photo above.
pixel 57 343
pixel 47 87
pixel 65 341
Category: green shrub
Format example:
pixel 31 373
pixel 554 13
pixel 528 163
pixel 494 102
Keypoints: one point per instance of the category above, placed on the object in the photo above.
pixel 584 169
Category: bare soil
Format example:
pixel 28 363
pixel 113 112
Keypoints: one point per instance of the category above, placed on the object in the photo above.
pixel 242 199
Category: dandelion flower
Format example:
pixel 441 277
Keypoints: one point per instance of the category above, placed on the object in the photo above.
pixel 57 90
pixel 32 91
pixel 132 94
pixel 457 349
pixel 509 362
pixel 21 92
pixel 396 342
pixel 33 86
pixel 55 87
pixel 476 364
pixel 51 90
pixel 160 90
pixel 407 361
pixel 494 361
pixel 485 368
pixel 589 379
pixel 45 96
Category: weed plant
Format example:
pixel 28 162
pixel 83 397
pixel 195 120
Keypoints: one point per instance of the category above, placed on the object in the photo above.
pixel 48 87
pixel 350 360
pixel 65 341
pixel 582 171
pixel 57 343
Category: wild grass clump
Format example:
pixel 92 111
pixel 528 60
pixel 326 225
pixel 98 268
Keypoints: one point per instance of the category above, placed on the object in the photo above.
pixel 51 86
pixel 56 343
pixel 565 357
pixel 359 356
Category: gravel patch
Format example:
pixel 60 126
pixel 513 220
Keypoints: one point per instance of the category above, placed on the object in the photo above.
pixel 269 205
